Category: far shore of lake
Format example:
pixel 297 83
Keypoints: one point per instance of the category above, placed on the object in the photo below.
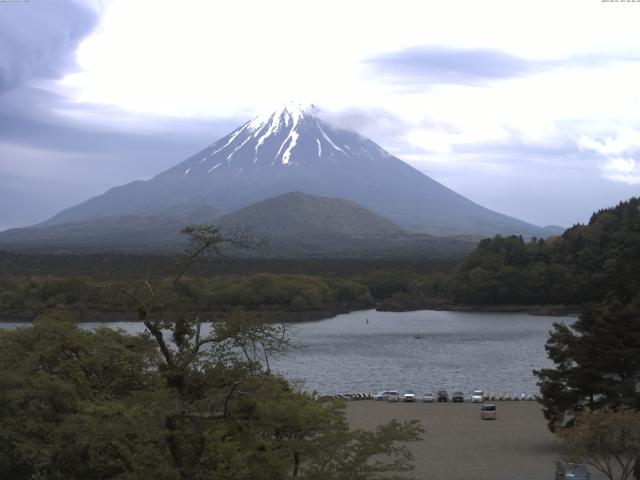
pixel 545 309
pixel 284 316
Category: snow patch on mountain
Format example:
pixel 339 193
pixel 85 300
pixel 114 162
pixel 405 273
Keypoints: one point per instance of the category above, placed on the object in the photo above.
pixel 293 135
pixel 326 137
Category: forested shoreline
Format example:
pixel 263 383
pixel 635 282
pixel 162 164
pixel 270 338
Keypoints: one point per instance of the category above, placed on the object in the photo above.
pixel 547 276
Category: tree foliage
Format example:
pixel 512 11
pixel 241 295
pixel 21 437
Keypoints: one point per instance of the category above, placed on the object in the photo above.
pixel 179 402
pixel 76 404
pixel 597 362
pixel 606 439
pixel 583 265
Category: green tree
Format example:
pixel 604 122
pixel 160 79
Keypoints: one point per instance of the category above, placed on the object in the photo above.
pixel 597 362
pixel 606 439
pixel 76 404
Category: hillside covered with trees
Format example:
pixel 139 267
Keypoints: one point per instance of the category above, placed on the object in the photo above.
pixel 582 265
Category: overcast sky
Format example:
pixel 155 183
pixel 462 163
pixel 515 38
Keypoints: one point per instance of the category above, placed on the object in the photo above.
pixel 531 108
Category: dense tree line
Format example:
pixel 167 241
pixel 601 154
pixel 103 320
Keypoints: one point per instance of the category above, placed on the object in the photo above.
pixel 113 266
pixel 582 265
pixel 25 297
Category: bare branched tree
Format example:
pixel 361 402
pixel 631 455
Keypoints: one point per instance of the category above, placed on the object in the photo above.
pixel 180 339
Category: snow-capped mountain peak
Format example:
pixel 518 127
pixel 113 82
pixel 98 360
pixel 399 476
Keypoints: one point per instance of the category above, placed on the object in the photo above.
pixel 288 114
pixel 293 135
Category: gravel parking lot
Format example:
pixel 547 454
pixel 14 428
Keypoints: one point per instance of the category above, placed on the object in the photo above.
pixel 458 445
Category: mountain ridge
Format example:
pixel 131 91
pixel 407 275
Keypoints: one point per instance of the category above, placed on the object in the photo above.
pixel 292 225
pixel 293 149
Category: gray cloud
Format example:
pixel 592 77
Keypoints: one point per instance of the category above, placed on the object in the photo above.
pixel 431 64
pixel 38 39
pixel 360 119
pixel 446 65
pixel 28 118
pixel 49 162
pixel 382 126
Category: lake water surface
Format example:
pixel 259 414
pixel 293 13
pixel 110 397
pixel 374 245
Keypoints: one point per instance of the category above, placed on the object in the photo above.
pixel 368 351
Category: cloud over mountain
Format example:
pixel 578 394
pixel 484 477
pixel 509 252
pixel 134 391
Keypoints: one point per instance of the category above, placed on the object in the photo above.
pixel 39 39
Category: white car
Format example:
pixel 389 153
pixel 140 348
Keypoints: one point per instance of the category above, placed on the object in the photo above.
pixel 410 396
pixel 428 397
pixel 477 396
pixel 389 395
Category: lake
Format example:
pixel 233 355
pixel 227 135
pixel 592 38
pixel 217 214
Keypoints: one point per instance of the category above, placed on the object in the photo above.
pixel 368 351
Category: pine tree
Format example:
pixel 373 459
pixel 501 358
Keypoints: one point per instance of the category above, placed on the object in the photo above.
pixel 597 362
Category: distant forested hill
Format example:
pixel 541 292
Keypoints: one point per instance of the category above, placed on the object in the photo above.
pixel 585 263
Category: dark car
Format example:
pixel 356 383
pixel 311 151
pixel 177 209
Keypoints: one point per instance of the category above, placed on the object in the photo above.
pixel 575 471
pixel 457 397
pixel 442 396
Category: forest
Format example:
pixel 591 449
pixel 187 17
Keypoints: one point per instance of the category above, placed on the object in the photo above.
pixel 583 264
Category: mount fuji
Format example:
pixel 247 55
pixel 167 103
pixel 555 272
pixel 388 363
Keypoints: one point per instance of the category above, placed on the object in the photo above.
pixel 294 150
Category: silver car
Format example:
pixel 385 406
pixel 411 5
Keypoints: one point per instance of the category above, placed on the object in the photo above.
pixel 574 471
pixel 410 396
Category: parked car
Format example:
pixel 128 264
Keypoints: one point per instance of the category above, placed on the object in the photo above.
pixel 394 396
pixel 383 395
pixel 488 412
pixel 409 396
pixel 428 397
pixel 442 396
pixel 457 397
pixel 477 396
pixel 575 471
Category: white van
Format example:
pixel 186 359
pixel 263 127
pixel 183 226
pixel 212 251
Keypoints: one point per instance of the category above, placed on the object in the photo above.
pixel 477 396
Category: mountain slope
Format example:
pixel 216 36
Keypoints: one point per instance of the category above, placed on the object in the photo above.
pixel 297 224
pixel 124 232
pixel 295 215
pixel 292 225
pixel 292 149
